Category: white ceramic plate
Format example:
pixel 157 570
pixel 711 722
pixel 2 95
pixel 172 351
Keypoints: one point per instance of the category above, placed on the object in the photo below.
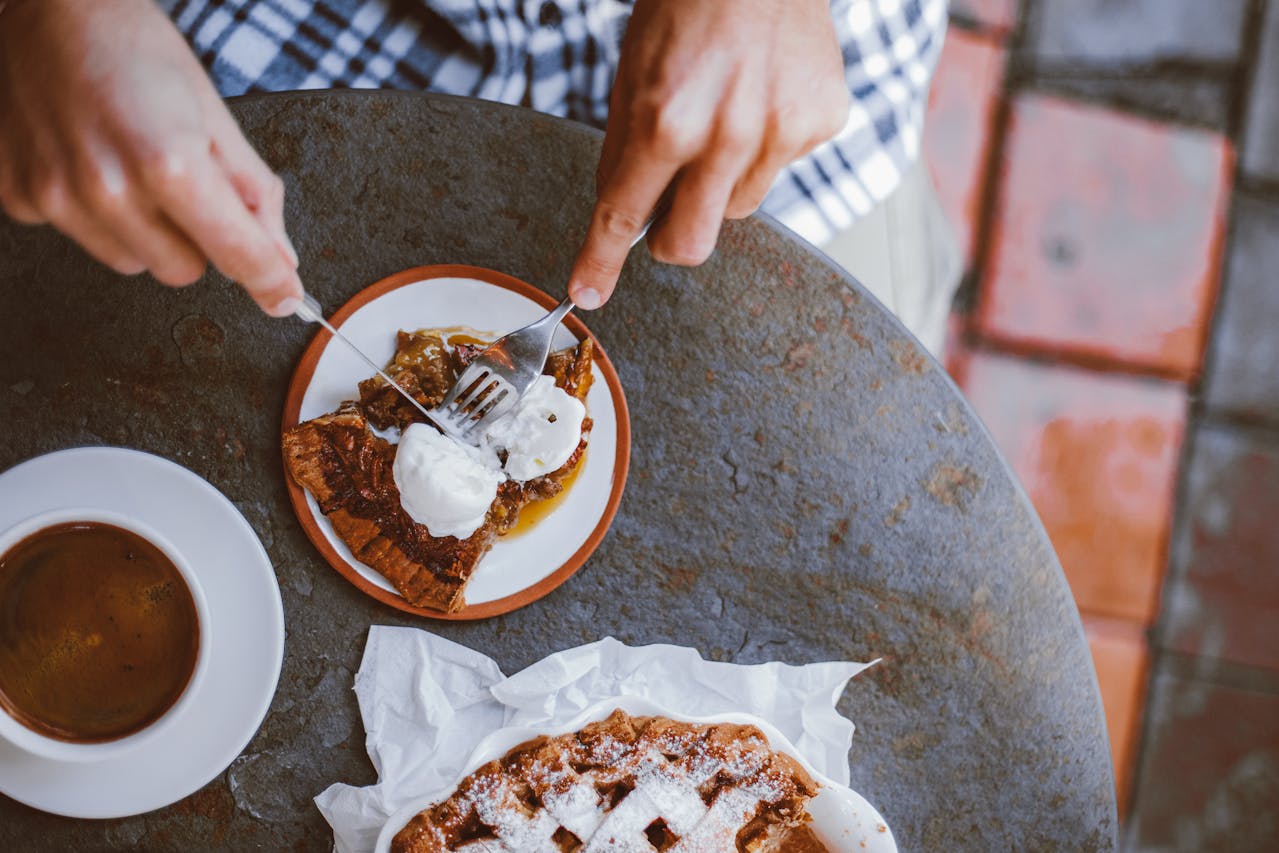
pixel 247 630
pixel 842 819
pixel 522 567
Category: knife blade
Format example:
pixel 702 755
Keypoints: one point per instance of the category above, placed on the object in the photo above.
pixel 310 311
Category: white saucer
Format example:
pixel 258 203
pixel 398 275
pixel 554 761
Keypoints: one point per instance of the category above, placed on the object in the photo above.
pixel 248 630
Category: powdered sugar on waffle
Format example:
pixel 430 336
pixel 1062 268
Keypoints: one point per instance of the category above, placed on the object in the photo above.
pixel 693 788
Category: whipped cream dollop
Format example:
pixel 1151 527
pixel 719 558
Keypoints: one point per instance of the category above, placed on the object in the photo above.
pixel 448 486
pixel 540 433
pixel 444 484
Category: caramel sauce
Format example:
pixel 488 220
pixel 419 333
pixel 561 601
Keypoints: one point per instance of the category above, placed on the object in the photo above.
pixel 456 335
pixel 531 514
pixel 98 632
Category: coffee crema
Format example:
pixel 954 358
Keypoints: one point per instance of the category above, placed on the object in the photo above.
pixel 99 633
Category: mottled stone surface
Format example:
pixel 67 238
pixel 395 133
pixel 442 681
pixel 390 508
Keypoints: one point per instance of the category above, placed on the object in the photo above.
pixel 805 483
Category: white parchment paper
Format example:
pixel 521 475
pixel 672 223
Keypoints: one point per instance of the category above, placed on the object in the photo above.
pixel 427 701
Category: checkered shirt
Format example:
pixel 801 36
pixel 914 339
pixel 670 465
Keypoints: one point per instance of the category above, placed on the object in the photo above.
pixel 559 56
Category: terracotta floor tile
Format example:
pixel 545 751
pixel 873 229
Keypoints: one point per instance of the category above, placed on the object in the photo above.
pixel 1208 779
pixel 957 129
pixel 1260 154
pixel 1091 33
pixel 1222 597
pixel 1097 454
pixel 1120 655
pixel 955 350
pixel 1107 235
pixel 1240 375
pixel 999 16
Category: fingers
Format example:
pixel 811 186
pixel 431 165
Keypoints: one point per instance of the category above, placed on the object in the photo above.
pixel 776 154
pixel 622 207
pixel 110 211
pixel 16 205
pixel 615 134
pixel 14 198
pixel 688 233
pixel 159 245
pixel 259 188
pixel 789 136
pixel 78 224
pixel 15 176
pixel 194 192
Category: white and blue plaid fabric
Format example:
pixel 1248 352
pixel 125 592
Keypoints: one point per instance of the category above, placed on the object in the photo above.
pixel 559 56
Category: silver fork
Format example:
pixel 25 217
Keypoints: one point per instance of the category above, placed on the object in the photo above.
pixel 495 380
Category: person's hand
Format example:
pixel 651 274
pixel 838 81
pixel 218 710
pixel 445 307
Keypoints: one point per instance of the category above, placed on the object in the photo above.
pixel 717 96
pixel 111 131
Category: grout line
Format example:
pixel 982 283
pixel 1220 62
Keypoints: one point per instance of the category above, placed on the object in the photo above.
pixel 1250 41
pixel 1120 101
pixel 1066 357
pixel 977 27
pixel 967 297
pixel 1218 672
pixel 1263 189
pixel 1265 430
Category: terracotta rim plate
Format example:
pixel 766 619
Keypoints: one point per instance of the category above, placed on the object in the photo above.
pixel 520 568
pixel 246 631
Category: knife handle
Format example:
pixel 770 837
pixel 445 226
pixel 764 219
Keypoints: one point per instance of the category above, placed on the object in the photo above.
pixel 309 309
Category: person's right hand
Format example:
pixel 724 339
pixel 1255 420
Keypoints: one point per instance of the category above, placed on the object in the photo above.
pixel 111 131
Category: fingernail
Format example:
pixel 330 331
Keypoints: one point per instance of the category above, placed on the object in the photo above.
pixel 588 298
pixel 286 306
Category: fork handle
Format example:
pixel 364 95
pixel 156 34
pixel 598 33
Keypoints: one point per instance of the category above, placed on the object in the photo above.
pixel 560 311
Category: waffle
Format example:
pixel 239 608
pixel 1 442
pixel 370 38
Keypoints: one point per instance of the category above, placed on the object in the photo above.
pixel 626 785
pixel 347 468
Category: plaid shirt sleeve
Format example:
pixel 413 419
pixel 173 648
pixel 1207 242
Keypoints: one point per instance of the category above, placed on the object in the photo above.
pixel 559 56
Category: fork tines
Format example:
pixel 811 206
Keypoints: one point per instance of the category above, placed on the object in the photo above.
pixel 480 395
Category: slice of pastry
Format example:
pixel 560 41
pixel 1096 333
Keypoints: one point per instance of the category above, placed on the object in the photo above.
pixel 348 469
pixel 624 784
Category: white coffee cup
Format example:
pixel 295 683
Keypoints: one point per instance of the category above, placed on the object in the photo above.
pixel 36 743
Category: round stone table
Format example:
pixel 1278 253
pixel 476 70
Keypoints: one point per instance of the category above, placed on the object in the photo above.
pixel 806 483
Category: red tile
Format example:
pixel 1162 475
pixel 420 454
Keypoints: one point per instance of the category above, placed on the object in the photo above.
pixel 1208 780
pixel 1107 236
pixel 1222 600
pixel 1097 454
pixel 997 15
pixel 957 129
pixel 1121 658
pixel 955 349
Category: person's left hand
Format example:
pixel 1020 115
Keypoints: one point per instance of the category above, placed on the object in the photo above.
pixel 717 96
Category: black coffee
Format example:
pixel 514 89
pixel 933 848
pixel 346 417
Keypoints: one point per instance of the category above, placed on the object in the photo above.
pixel 98 632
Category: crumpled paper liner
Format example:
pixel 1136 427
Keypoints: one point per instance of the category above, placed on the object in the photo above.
pixel 427 701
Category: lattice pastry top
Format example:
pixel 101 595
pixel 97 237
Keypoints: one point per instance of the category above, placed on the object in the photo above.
pixel 625 785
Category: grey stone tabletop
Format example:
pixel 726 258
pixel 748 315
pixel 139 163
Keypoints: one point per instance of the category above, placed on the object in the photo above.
pixel 806 483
